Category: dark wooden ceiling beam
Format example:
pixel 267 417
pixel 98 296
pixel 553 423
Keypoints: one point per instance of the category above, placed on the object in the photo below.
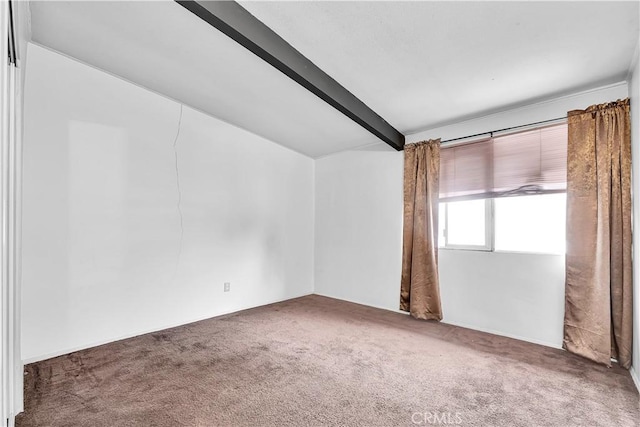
pixel 236 22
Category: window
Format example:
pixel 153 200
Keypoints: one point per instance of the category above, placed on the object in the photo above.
pixel 505 193
pixel 531 223
pixel 509 224
pixel 466 224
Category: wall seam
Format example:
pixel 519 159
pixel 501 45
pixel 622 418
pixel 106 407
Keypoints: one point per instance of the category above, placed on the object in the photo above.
pixel 175 152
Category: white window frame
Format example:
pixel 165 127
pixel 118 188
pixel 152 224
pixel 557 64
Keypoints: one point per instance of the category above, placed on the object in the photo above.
pixel 489 234
pixel 488 230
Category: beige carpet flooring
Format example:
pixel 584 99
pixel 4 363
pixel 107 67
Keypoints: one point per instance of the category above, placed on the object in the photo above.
pixel 315 361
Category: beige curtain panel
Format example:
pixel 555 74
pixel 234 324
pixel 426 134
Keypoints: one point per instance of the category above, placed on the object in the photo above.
pixel 598 306
pixel 420 292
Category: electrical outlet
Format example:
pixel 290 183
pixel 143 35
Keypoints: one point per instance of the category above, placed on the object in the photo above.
pixel 227 286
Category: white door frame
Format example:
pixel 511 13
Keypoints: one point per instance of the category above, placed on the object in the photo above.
pixel 4 125
pixel 10 188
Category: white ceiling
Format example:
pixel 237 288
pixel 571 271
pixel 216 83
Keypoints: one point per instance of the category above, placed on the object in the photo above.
pixel 417 64
pixel 422 64
pixel 164 47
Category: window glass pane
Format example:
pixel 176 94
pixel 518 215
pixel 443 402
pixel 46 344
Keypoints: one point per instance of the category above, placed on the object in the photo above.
pixel 466 223
pixel 531 223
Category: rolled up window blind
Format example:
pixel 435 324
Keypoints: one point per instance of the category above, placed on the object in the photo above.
pixel 529 162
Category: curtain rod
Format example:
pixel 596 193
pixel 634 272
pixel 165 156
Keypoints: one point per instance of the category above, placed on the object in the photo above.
pixel 505 129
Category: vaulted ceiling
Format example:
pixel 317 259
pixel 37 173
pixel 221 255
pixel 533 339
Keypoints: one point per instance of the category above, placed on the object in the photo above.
pixel 417 64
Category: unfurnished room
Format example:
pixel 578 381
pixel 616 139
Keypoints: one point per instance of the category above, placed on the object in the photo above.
pixel 319 213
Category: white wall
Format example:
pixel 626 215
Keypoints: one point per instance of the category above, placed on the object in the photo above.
pixel 358 245
pixel 106 192
pixel 634 93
